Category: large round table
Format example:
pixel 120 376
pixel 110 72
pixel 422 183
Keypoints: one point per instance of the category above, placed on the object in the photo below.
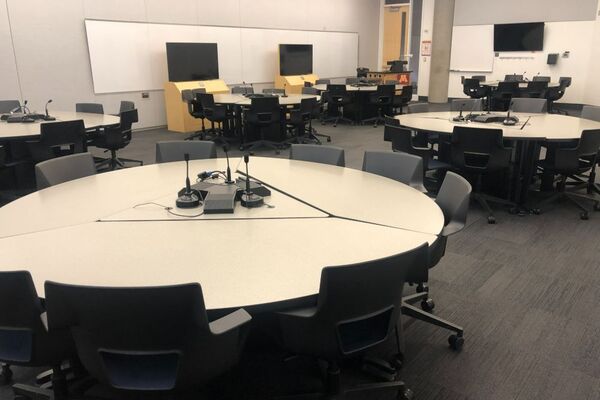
pixel 241 100
pixel 112 230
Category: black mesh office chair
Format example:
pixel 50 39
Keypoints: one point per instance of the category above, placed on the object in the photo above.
pixel 216 114
pixel 513 78
pixel 263 113
pixel 336 97
pixel 58 139
pixel 569 161
pixel 116 137
pixel 24 340
pixel 593 113
pixel 501 97
pixel 7 106
pixel 404 98
pixel 480 78
pixel 146 339
pixel 539 78
pixel 126 106
pixel 476 152
pixel 358 308
pixel 194 109
pixel 453 199
pixel 383 100
pixel 555 93
pixel 535 89
pixel 299 122
pixel 473 89
pixel 317 113
pixel 93 108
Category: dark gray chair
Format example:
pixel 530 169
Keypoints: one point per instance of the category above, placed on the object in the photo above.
pixel 323 82
pixel 358 308
pixel 126 106
pixel 113 138
pixel 24 340
pixel 513 78
pixel 146 339
pixel 480 78
pixel 63 169
pixel 58 139
pixel 317 153
pixel 173 150
pixel 528 105
pixel 273 91
pixel 309 90
pixel 243 89
pixel 93 108
pixel 467 105
pixel 402 167
pixel 417 108
pixel 539 78
pixel 453 199
pixel 352 81
pixel 7 106
pixel 593 113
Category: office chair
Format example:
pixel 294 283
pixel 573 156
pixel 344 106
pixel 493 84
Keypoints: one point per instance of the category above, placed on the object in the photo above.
pixel 504 93
pixel 317 113
pixel 404 98
pixel 309 90
pixel 391 121
pixel 273 91
pixel 93 108
pixel 336 97
pixel 63 169
pixel 528 105
pixel 399 166
pixel 383 100
pixel 58 139
pixel 7 106
pixel 358 307
pixel 593 113
pixel 352 81
pixel 194 109
pixel 300 122
pixel 24 340
pixel 174 150
pixel 473 89
pixel 539 78
pixel 535 89
pixel 216 114
pixel 126 106
pixel 453 199
pixel 323 82
pixel 466 105
pixel 316 153
pixel 513 78
pixel 116 137
pixel 146 339
pixel 478 151
pixel 417 108
pixel 243 89
pixel 263 113
pixel 480 78
pixel 555 93
pixel 361 72
pixel 572 161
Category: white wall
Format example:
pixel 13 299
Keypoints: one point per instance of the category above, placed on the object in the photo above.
pixel 52 56
pixel 426 34
pixel 592 87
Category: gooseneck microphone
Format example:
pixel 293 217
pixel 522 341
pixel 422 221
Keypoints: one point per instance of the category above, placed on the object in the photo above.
pixel 188 199
pixel 245 88
pixel 47 117
pixel 249 199
pixel 228 177
pixel 459 117
pixel 284 91
pixel 510 121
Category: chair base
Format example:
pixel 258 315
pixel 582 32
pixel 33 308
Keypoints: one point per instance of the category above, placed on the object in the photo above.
pixel 114 162
pixel 257 144
pixel 337 118
pixel 59 389
pixel 484 200
pixel 574 199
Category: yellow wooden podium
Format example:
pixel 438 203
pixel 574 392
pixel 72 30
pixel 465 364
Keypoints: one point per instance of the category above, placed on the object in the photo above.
pixel 293 84
pixel 178 117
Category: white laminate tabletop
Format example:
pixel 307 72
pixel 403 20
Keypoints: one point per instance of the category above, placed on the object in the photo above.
pixel 322 87
pixel 521 84
pixel 540 126
pixel 31 129
pixel 239 99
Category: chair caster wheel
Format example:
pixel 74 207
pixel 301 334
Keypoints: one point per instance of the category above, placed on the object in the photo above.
pixel 398 361
pixel 491 220
pixel 334 125
pixel 427 305
pixel 456 342
pixel 513 211
pixel 584 216
pixel 406 394
pixel 536 211
pixel 597 207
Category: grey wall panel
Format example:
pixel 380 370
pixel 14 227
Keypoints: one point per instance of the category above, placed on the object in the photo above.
pixel 484 12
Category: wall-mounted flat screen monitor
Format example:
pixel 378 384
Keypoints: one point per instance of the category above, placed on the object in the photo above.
pixel 519 37
pixel 295 59
pixel 192 61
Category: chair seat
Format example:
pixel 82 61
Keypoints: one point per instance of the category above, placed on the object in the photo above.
pixel 548 165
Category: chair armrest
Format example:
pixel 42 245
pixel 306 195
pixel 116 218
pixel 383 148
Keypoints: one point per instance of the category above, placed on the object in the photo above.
pixel 229 322
pixel 44 319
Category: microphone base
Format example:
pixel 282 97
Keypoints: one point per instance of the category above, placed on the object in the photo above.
pixel 48 118
pixel 251 200
pixel 458 119
pixel 187 200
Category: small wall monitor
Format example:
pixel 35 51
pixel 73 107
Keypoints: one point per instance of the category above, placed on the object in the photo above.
pixel 519 37
pixel 295 59
pixel 192 61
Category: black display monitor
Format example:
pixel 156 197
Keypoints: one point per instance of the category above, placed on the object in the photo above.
pixel 519 37
pixel 295 59
pixel 192 61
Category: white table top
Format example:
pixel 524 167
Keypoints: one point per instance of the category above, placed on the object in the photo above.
pixel 540 126
pixel 322 87
pixel 521 84
pixel 88 231
pixel 239 99
pixel 31 129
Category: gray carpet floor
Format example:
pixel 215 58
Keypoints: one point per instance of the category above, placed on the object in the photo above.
pixel 526 290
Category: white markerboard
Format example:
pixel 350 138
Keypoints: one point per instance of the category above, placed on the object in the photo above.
pixel 131 56
pixel 472 48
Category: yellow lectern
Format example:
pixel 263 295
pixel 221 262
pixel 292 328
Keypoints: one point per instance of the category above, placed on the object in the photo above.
pixel 293 84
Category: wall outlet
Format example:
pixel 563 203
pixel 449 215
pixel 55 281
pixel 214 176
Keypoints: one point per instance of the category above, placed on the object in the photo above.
pixel 566 54
pixel 145 95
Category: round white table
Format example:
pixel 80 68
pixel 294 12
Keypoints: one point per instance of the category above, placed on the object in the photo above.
pixel 24 130
pixel 95 231
pixel 241 100
pixel 351 88
pixel 522 85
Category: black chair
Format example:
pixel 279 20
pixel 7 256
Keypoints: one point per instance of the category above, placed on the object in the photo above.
pixel 539 78
pixel 453 199
pixel 358 308
pixel 479 151
pixel 116 137
pixel 569 161
pixel 480 78
pixel 242 89
pixel 216 114
pixel 555 93
pixel 403 98
pixel 352 81
pixel 323 82
pixel 535 89
pixel 336 98
pixel 503 94
pixel 194 109
pixel 58 139
pixel 513 78
pixel 593 113
pixel 263 113
pixel 273 91
pixel 126 106
pixel 93 108
pixel 383 100
pixel 24 340
pixel 472 88
pixel 362 72
pixel 300 122
pixel 7 106
pixel 317 113
pixel 146 339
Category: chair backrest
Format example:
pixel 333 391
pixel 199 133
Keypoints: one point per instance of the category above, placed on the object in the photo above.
pixel 187 95
pixel 539 78
pixel 480 78
pixel 565 81
pixel 478 149
pixel 263 110
pixel 384 94
pixel 174 150
pixel 589 144
pixel 334 90
pixel 508 87
pixel 2 155
pixel 127 119
pixel 63 169
pixel 142 338
pixel 453 199
pixel 242 90
pixel 63 133
pixel 318 153
pixel 417 108
pixel 93 108
pixel 323 81
pixel 7 106
pixel 537 87
pixel 126 106
pixel 591 112
pixel 471 86
pixel 352 81
pixel 466 105
pixel 527 105
pixel 406 94
pixel 513 78
pixel 198 91
pixel 568 159
pixel 402 167
pixel 207 100
pixel 309 90
pixel 273 91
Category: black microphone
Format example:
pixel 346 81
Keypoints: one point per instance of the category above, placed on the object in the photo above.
pixel 228 180
pixel 524 77
pixel 249 199
pixel 188 199
pixel 245 88
pixel 24 108
pixel 284 93
pixel 48 117
pixel 509 121
pixel 459 117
